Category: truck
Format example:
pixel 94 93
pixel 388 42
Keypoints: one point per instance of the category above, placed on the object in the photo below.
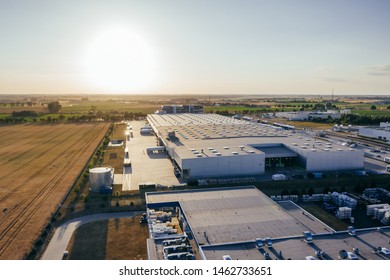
pixel 127 162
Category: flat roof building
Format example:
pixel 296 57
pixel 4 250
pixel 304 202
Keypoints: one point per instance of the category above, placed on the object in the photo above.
pixel 181 109
pixel 382 132
pixel 244 223
pixel 213 145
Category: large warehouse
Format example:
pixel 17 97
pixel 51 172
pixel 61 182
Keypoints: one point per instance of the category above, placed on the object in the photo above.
pixel 204 145
pixel 382 132
pixel 244 224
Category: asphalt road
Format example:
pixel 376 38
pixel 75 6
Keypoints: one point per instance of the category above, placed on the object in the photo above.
pixel 63 234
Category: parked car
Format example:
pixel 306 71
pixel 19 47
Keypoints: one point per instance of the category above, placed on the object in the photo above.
pixel 385 251
pixel 352 256
pixel 279 177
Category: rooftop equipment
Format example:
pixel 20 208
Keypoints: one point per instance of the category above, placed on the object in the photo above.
pixel 307 236
pixel 351 231
pixel 268 242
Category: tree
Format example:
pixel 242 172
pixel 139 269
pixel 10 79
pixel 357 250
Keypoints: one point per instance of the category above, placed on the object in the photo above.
pixel 373 107
pixel 54 107
pixel 285 192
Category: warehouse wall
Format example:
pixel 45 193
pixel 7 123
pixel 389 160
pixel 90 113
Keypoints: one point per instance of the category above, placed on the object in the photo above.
pixel 374 133
pixel 225 165
pixel 334 160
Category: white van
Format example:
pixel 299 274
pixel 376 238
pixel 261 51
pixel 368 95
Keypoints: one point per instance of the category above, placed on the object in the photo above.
pixel 279 177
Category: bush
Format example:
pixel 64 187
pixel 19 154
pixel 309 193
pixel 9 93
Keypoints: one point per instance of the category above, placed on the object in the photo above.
pixel 285 192
pixel 295 192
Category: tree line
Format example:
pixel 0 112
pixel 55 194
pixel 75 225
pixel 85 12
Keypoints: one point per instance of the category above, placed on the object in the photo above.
pixel 29 116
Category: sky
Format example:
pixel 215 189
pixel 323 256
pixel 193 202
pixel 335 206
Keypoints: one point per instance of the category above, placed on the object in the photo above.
pixel 195 47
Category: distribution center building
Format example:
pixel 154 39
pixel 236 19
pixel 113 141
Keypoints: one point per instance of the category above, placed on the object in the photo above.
pixel 245 224
pixel 382 132
pixel 204 145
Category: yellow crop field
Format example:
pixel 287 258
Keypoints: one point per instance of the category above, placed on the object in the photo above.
pixel 39 164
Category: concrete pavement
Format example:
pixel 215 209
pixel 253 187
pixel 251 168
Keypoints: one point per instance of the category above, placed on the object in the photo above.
pixel 63 234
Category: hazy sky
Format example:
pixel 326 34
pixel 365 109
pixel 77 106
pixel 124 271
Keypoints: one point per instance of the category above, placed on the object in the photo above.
pixel 199 46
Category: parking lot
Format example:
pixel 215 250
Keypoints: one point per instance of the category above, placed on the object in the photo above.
pixel 146 168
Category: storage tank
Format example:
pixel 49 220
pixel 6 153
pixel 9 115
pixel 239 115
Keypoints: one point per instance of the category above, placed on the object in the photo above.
pixel 100 179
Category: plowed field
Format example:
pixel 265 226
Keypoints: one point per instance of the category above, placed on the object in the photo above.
pixel 38 165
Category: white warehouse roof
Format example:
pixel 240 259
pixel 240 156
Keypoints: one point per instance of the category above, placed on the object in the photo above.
pixel 212 135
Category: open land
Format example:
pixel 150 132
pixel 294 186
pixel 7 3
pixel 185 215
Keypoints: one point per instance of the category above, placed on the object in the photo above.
pixel 114 239
pixel 39 165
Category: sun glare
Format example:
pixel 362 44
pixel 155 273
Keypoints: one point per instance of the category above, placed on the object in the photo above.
pixel 120 60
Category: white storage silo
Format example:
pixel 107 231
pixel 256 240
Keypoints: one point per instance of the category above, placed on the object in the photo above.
pixel 100 179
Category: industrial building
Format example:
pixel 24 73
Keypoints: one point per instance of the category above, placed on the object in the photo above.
pixel 205 145
pixel 245 224
pixel 382 132
pixel 308 115
pixel 180 109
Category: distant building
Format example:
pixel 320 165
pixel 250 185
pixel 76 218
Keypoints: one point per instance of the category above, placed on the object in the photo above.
pixel 382 132
pixel 181 109
pixel 307 115
pixel 345 111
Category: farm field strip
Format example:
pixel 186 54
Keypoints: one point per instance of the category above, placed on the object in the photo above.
pixel 19 151
pixel 25 137
pixel 31 205
pixel 29 196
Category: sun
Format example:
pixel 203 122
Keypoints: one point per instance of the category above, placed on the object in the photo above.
pixel 119 60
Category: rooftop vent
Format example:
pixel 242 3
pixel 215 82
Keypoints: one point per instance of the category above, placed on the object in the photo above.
pixel 307 236
pixel 351 230
pixel 268 242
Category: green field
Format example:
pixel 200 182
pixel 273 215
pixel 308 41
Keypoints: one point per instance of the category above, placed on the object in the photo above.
pixel 107 106
pixel 368 112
